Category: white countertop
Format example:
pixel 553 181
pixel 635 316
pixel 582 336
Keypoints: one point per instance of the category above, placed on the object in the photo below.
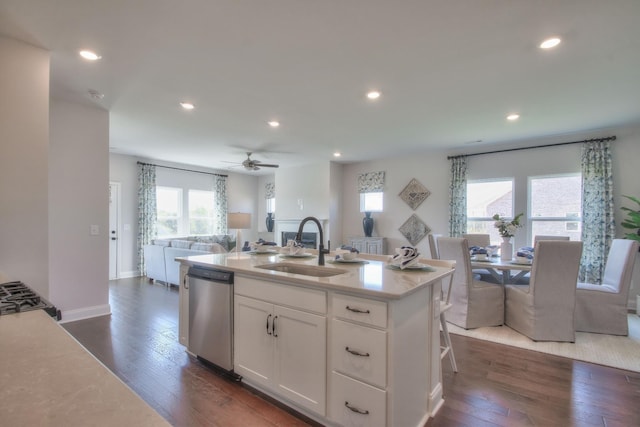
pixel 372 279
pixel 48 379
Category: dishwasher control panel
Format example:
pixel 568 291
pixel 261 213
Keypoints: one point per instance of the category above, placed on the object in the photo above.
pixel 211 274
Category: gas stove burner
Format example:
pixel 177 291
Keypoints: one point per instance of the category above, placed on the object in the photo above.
pixel 16 297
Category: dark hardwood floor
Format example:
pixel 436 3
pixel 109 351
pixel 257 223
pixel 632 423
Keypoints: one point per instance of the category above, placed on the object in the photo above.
pixel 496 385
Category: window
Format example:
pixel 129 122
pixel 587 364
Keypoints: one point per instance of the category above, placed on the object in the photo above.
pixel 484 200
pixel 371 202
pixel 169 209
pixel 555 206
pixel 201 212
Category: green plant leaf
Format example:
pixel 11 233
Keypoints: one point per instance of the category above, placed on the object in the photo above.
pixel 635 199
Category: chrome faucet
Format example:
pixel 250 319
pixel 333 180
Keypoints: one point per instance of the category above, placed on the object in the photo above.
pixel 321 249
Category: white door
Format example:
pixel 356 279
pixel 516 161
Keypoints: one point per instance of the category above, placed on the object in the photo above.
pixel 114 220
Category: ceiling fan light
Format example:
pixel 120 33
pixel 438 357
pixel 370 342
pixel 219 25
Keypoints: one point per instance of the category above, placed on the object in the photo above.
pixel 274 123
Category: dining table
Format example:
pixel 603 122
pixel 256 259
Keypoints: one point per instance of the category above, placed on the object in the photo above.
pixel 504 271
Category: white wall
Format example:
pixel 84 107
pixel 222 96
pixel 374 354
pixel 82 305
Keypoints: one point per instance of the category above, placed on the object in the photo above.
pixel 303 191
pixel 24 139
pixel 78 199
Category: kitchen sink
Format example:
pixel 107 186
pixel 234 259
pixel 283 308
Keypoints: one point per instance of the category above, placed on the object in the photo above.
pixel 305 270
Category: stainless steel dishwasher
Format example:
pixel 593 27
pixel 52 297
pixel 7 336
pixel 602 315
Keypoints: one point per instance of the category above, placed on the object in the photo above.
pixel 211 316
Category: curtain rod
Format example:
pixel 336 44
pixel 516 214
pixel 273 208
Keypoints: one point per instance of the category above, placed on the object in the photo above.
pixel 609 138
pixel 180 169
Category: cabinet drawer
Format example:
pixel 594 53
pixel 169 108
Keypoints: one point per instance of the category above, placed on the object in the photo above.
pixel 370 362
pixel 367 311
pixel 348 393
pixel 287 295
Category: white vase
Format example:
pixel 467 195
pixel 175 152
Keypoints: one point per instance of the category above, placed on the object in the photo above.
pixel 506 249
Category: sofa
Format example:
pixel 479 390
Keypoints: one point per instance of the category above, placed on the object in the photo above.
pixel 160 256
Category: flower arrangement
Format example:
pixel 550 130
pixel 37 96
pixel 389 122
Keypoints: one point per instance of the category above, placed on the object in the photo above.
pixel 507 228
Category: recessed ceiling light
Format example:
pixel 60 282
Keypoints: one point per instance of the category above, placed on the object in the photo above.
pixel 550 43
pixel 374 94
pixel 187 105
pixel 274 123
pixel 337 154
pixel 513 117
pixel 89 55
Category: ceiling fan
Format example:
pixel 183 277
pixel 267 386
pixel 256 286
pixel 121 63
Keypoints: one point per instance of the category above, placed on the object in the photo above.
pixel 254 165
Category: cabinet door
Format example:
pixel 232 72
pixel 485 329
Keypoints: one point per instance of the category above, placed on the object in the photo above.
pixel 375 247
pixel 360 245
pixel 300 340
pixel 253 339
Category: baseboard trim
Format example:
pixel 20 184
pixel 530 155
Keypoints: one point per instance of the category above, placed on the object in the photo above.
pixel 129 274
pixel 85 313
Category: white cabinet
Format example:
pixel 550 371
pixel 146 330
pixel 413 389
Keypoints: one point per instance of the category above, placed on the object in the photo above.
pixel 280 340
pixel 183 315
pixel 368 245
pixel 358 360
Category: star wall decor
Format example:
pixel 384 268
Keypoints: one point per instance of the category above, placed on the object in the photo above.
pixel 414 194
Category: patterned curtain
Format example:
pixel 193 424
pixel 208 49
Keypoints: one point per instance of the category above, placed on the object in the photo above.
pixel 458 197
pixel 371 182
pixel 598 226
pixel 147 213
pixel 220 208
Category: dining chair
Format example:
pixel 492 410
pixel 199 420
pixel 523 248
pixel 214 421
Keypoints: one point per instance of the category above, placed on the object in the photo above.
pixel 543 309
pixel 477 239
pixel 445 305
pixel 602 309
pixel 539 237
pixel 433 245
pixel 475 303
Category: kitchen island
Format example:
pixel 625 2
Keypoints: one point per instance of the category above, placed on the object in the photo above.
pixel 48 379
pixel 353 344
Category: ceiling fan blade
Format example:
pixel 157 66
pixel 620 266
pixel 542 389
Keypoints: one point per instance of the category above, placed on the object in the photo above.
pixel 265 165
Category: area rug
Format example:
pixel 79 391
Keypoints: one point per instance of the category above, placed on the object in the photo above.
pixel 608 350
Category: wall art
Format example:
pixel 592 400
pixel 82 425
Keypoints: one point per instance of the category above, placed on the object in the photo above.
pixel 414 229
pixel 414 194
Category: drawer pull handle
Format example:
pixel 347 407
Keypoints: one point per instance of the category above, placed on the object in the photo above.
pixel 357 310
pixel 356 410
pixel 357 353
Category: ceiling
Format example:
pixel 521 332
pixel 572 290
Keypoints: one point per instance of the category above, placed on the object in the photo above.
pixel 449 71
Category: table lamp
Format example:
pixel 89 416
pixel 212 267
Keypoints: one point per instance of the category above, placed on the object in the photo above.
pixel 238 221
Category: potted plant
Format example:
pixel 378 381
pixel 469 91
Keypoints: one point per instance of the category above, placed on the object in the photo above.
pixel 633 220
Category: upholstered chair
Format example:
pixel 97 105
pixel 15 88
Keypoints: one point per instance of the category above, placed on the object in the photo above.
pixel 539 237
pixel 603 308
pixel 543 310
pixel 476 239
pixel 474 303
